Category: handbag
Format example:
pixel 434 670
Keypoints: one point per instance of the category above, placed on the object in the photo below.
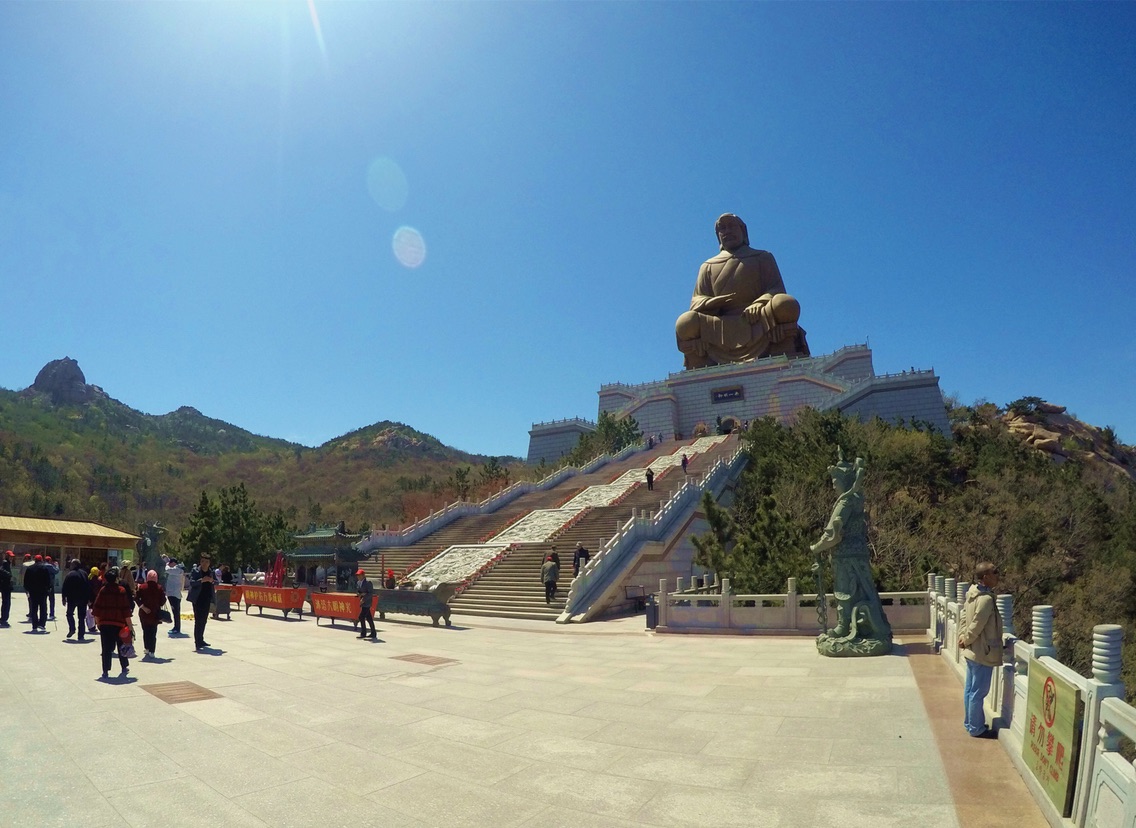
pixel 90 621
pixel 164 617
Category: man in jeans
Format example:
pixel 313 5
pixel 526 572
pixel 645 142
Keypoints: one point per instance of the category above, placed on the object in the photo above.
pixel 980 635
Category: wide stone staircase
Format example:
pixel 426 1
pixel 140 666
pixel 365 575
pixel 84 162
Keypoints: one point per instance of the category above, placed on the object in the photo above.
pixel 513 588
pixel 465 529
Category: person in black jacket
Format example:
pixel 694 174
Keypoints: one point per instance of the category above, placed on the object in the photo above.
pixel 201 597
pixel 5 588
pixel 76 594
pixel 366 592
pixel 579 558
pixel 36 581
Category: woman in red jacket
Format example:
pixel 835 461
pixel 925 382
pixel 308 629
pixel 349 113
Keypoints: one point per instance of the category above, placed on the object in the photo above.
pixel 150 598
pixel 112 610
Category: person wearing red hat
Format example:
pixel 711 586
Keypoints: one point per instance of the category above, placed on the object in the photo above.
pixel 366 592
pixel 5 587
pixel 390 582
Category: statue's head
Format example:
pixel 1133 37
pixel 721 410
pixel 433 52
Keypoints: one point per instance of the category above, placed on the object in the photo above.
pixel 731 231
pixel 846 476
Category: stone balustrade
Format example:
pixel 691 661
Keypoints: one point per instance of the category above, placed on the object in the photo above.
pixel 1104 781
pixel 790 613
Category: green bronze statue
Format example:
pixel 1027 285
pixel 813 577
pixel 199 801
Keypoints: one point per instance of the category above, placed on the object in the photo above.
pixel 861 628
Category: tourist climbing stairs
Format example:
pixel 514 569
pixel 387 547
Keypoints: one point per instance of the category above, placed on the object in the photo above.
pixel 512 588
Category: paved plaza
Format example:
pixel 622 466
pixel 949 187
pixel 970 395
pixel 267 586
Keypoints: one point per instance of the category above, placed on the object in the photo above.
pixel 490 723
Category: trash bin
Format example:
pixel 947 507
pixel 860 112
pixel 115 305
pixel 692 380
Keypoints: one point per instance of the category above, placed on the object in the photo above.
pixel 652 612
pixel 221 605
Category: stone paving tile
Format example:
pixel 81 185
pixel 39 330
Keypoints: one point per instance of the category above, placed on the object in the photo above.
pixel 164 804
pixel 698 807
pixel 464 762
pixel 859 814
pixel 648 737
pixel 461 729
pixel 703 770
pixel 312 803
pixel 587 791
pixel 440 800
pixel 566 818
pixel 808 781
pixel 584 754
pixel 542 721
pixel 353 768
pixel 277 738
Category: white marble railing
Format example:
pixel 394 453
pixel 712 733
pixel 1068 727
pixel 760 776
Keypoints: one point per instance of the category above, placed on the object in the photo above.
pixel 610 561
pixel 457 563
pixel 380 539
pixel 788 613
pixel 1104 784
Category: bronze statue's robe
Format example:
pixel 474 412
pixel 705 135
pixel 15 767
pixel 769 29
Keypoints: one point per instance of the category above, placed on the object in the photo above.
pixel 751 275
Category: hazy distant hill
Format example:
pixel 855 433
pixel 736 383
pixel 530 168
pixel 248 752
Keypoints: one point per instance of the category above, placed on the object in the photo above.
pixel 67 448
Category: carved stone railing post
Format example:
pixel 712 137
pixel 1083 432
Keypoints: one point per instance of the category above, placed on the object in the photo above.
pixel 661 621
pixel 1042 631
pixel 940 584
pixel 950 589
pixel 1002 701
pixel 791 603
pixel 960 594
pixel 725 605
pixel 1105 684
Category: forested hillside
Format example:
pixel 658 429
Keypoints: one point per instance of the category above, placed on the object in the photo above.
pixel 70 450
pixel 1061 524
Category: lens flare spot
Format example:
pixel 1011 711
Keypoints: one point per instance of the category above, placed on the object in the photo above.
pixel 386 183
pixel 409 247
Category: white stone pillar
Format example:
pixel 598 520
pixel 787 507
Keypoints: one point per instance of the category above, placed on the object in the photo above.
pixel 1105 684
pixel 662 619
pixel 791 604
pixel 726 606
pixel 1042 630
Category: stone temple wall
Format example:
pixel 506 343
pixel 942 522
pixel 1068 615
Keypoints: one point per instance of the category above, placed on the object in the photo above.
pixel 775 387
pixel 551 441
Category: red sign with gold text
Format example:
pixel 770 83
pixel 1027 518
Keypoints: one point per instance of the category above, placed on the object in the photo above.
pixel 275 597
pixel 338 605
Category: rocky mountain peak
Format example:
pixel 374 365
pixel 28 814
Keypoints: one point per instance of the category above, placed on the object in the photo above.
pixel 64 382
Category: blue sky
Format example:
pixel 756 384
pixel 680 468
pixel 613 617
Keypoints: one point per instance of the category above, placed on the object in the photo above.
pixel 199 201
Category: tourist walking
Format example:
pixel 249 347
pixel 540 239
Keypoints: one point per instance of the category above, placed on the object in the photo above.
pixel 24 567
pixel 685 463
pixel 150 599
pixel 549 572
pixel 113 608
pixel 579 558
pixel 200 597
pixel 175 583
pixel 980 635
pixel 35 585
pixel 366 592
pixel 76 595
pixel 5 588
pixel 650 479
pixel 126 578
pixel 53 574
